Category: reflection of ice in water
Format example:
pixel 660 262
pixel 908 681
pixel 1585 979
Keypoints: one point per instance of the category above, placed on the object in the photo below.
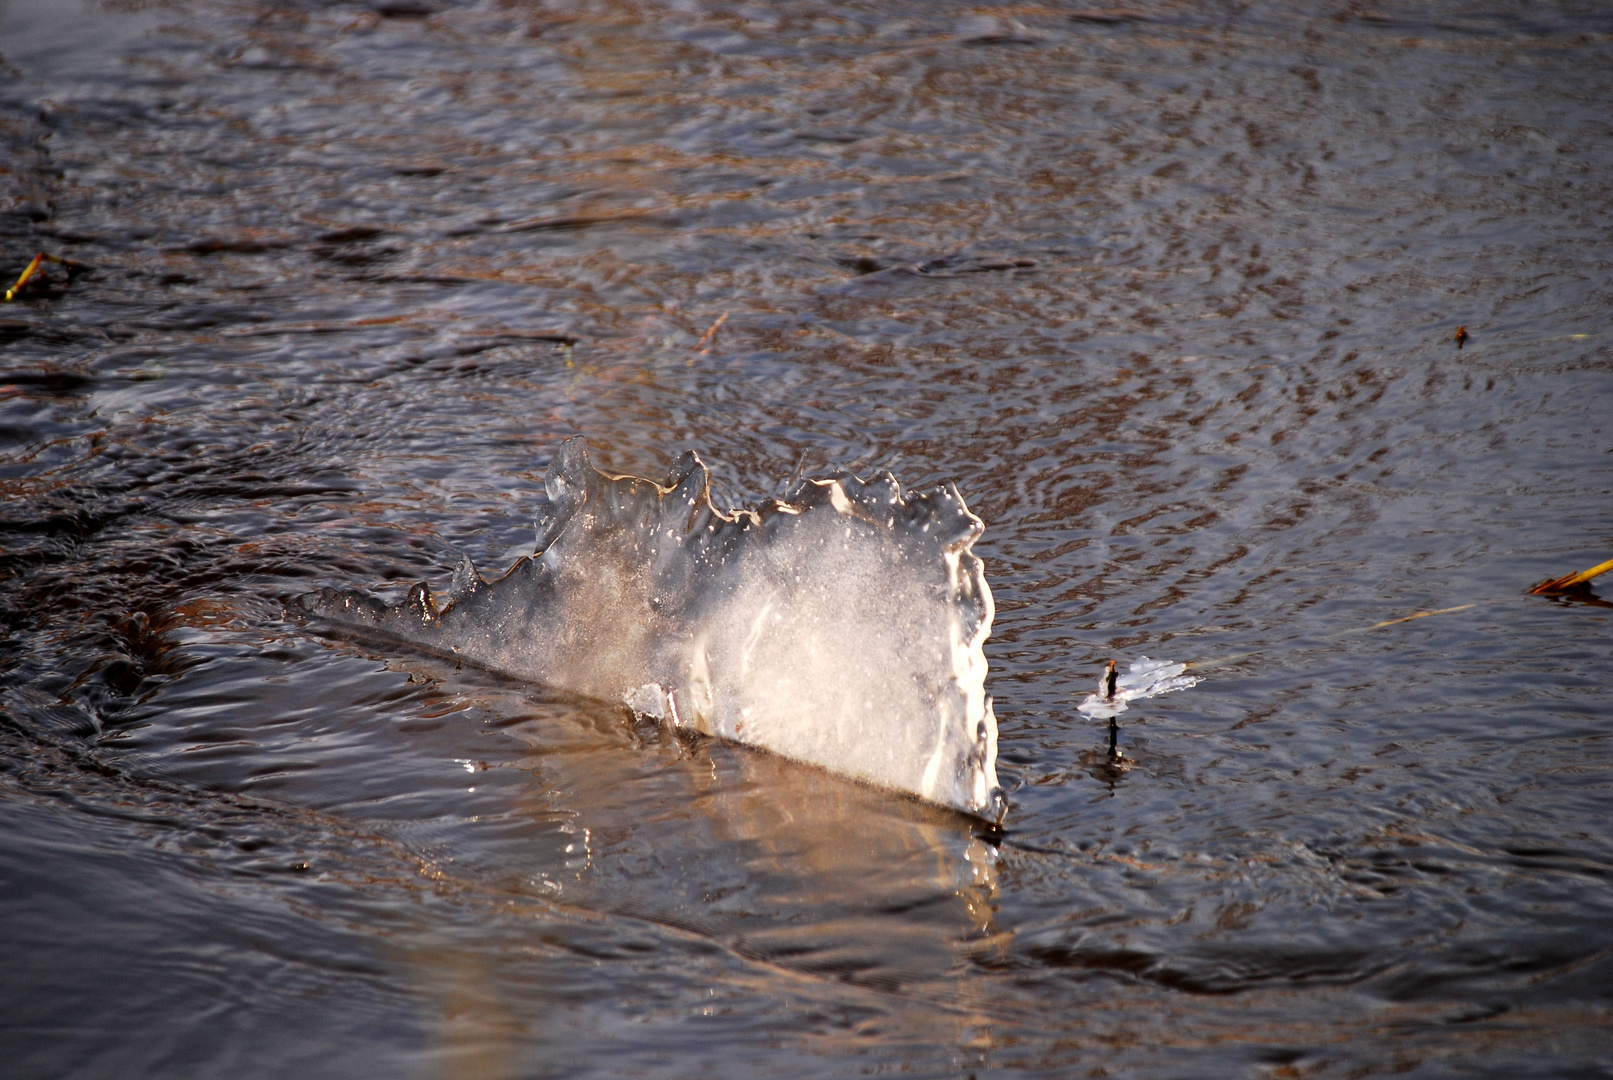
pixel 1145 679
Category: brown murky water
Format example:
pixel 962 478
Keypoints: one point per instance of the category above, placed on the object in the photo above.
pixel 1169 292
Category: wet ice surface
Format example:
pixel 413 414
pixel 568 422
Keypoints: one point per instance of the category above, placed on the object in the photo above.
pixel 1144 678
pixel 1169 295
pixel 841 625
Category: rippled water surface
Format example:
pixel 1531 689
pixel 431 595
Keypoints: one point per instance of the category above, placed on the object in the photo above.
pixel 1168 291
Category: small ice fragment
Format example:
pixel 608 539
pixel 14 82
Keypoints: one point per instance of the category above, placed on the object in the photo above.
pixel 1144 678
pixel 648 701
pixel 1098 709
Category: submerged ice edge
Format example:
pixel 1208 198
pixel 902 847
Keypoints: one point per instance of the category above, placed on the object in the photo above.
pixel 1144 678
pixel 843 625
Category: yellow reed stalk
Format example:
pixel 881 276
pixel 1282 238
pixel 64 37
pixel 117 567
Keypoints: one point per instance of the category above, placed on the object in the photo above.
pixel 26 274
pixel 1404 618
pixel 711 334
pixel 1571 581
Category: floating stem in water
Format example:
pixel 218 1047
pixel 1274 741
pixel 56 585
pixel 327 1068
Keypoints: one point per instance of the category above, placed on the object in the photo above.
pixel 33 268
pixel 26 274
pixel 711 334
pixel 1570 581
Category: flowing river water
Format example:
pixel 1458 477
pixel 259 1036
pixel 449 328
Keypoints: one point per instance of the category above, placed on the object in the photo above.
pixel 1169 291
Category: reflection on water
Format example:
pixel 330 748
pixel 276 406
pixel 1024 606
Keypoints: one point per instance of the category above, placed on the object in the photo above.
pixel 1170 293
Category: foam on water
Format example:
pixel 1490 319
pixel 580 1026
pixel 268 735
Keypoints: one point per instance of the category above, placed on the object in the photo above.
pixel 842 625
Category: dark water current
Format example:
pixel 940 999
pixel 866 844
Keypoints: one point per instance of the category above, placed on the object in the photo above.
pixel 1169 292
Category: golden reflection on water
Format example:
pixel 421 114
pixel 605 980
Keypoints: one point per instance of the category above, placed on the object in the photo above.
pixel 473 1036
pixel 811 881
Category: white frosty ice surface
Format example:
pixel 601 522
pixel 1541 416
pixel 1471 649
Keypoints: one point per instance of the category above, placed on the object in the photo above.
pixel 1144 678
pixel 841 626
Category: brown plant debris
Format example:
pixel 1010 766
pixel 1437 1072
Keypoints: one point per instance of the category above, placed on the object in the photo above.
pixel 1571 582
